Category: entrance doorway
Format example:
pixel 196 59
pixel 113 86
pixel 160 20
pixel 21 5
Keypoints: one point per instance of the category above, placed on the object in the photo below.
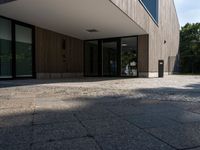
pixel 129 57
pixel 113 57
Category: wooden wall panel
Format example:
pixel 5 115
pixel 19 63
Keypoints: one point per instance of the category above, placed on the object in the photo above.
pixel 143 54
pixel 52 58
pixel 167 29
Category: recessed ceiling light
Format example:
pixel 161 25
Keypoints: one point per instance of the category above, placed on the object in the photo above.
pixel 92 30
pixel 6 1
pixel 124 44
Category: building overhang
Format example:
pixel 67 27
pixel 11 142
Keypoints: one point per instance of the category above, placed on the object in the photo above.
pixel 74 17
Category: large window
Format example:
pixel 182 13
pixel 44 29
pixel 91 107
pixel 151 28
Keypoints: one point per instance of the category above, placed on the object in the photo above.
pixel 16 49
pixel 152 7
pixel 23 48
pixel 5 48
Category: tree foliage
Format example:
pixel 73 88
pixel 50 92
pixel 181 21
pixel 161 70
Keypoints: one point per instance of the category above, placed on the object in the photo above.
pixel 190 48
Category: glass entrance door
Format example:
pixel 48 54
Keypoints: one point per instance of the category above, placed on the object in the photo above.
pixel 91 58
pixel 129 57
pixel 110 57
pixel 113 57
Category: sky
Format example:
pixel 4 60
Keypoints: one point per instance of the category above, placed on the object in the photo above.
pixel 188 11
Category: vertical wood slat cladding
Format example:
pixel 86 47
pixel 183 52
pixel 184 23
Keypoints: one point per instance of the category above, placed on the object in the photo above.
pixel 143 53
pixel 52 58
pixel 166 30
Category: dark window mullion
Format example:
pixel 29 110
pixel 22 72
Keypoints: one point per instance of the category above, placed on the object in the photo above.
pixel 100 57
pixel 118 56
pixel 13 50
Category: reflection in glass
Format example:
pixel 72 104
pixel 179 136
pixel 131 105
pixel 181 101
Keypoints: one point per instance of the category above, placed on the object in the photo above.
pixel 23 51
pixel 5 48
pixel 152 7
pixel 110 58
pixel 129 57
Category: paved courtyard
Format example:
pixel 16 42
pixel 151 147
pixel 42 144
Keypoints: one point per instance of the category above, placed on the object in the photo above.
pixel 100 114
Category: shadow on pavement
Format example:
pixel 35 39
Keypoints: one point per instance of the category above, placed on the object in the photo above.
pixel 145 119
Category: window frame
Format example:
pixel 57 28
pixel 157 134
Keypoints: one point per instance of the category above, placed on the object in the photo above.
pixel 150 14
pixel 13 23
pixel 119 41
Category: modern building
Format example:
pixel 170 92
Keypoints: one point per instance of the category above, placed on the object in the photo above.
pixel 62 38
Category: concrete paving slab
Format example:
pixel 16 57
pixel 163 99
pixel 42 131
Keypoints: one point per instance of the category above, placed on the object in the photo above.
pixel 198 148
pixel 15 147
pixel 94 113
pixel 142 109
pixel 183 116
pixel 13 121
pixel 181 136
pixel 45 117
pixel 140 141
pixel 74 144
pixel 125 110
pixel 15 136
pixel 16 112
pixel 112 126
pixel 150 121
pixel 58 131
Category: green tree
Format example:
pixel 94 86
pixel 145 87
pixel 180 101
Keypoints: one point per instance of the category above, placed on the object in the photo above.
pixel 190 48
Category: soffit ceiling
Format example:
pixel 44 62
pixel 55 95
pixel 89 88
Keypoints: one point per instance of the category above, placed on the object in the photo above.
pixel 73 17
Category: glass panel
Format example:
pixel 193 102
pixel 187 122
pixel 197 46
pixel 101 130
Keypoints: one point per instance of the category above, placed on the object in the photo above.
pixel 5 48
pixel 110 58
pixel 91 58
pixel 23 51
pixel 129 57
pixel 152 7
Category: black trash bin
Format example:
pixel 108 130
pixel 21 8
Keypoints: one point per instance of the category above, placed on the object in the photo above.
pixel 161 68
